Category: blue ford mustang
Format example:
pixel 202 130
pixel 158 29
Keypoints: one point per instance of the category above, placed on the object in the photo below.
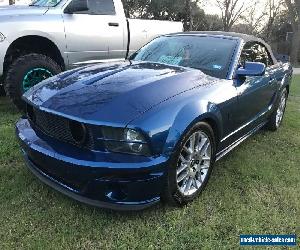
pixel 126 134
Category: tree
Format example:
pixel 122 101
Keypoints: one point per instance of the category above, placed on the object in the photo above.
pixel 192 13
pixel 11 2
pixel 252 20
pixel 293 7
pixel 231 11
pixel 273 9
pixel 213 23
pixel 136 8
pixel 174 10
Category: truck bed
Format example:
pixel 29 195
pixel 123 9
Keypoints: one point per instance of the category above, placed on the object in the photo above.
pixel 149 29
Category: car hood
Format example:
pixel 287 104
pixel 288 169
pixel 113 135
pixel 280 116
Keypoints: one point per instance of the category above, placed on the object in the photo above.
pixel 10 11
pixel 113 93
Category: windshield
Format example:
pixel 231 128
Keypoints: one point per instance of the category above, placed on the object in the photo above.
pixel 212 55
pixel 45 3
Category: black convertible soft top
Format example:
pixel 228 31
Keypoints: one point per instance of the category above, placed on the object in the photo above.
pixel 245 37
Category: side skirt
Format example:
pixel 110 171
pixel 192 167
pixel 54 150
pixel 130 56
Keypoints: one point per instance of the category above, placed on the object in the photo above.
pixel 225 151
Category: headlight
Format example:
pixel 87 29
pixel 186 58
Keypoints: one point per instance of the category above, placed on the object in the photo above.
pixel 2 37
pixel 125 141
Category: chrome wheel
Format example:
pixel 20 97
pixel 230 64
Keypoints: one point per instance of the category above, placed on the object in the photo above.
pixel 194 163
pixel 281 109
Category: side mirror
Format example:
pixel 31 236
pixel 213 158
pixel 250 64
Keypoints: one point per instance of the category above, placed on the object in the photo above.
pixel 252 69
pixel 76 6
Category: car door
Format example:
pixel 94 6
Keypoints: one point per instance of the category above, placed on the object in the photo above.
pixel 95 34
pixel 255 93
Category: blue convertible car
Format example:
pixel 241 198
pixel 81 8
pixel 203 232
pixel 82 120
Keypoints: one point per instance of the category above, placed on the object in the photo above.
pixel 127 134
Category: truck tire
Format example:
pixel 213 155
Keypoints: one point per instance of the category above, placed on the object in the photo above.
pixel 25 72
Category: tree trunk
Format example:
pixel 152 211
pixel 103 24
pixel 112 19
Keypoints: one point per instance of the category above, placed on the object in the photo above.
pixel 187 16
pixel 295 45
pixel 226 28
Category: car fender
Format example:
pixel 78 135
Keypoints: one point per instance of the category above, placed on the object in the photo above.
pixel 187 117
pixel 166 123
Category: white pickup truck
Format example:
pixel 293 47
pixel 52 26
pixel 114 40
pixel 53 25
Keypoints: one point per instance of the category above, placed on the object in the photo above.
pixel 50 36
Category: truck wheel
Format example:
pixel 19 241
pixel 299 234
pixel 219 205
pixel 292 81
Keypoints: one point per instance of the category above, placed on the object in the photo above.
pixel 25 72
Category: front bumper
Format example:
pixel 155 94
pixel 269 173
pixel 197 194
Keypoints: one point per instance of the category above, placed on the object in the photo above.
pixel 107 180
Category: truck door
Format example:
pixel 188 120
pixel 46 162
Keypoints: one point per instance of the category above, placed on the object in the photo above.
pixel 95 34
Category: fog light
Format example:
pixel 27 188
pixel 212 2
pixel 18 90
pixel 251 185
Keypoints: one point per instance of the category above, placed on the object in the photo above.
pixel 78 132
pixel 136 148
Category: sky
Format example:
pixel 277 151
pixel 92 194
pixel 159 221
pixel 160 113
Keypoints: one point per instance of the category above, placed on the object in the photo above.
pixel 5 2
pixel 210 7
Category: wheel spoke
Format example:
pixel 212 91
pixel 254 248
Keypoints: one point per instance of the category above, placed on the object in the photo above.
pixel 192 142
pixel 182 177
pixel 35 76
pixel 197 142
pixel 206 158
pixel 205 147
pixel 204 167
pixel 200 178
pixel 188 150
pixel 181 168
pixel 183 186
pixel 203 142
pixel 197 183
pixel 188 185
pixel 182 159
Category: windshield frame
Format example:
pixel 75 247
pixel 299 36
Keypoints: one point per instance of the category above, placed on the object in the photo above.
pixel 232 59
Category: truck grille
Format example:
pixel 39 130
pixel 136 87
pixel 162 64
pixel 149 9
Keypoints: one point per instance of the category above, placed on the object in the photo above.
pixel 56 127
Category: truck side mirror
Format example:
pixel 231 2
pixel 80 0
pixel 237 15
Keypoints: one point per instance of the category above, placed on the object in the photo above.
pixel 77 6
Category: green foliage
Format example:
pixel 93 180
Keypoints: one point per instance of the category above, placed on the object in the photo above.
pixel 255 189
pixel 188 12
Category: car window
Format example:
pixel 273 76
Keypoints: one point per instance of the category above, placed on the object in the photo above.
pixel 45 3
pixel 255 52
pixel 212 55
pixel 100 7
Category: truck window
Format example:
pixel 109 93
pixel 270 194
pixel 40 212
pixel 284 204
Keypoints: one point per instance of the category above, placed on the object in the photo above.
pixel 100 7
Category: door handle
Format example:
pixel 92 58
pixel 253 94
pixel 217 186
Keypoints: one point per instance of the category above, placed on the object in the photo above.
pixel 113 24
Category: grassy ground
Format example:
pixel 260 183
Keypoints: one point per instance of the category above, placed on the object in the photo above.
pixel 255 189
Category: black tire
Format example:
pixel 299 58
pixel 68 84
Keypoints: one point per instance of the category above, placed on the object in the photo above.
pixel 2 91
pixel 172 194
pixel 273 124
pixel 17 71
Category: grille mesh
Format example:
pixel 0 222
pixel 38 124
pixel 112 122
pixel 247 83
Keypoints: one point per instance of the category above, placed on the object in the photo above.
pixel 57 127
